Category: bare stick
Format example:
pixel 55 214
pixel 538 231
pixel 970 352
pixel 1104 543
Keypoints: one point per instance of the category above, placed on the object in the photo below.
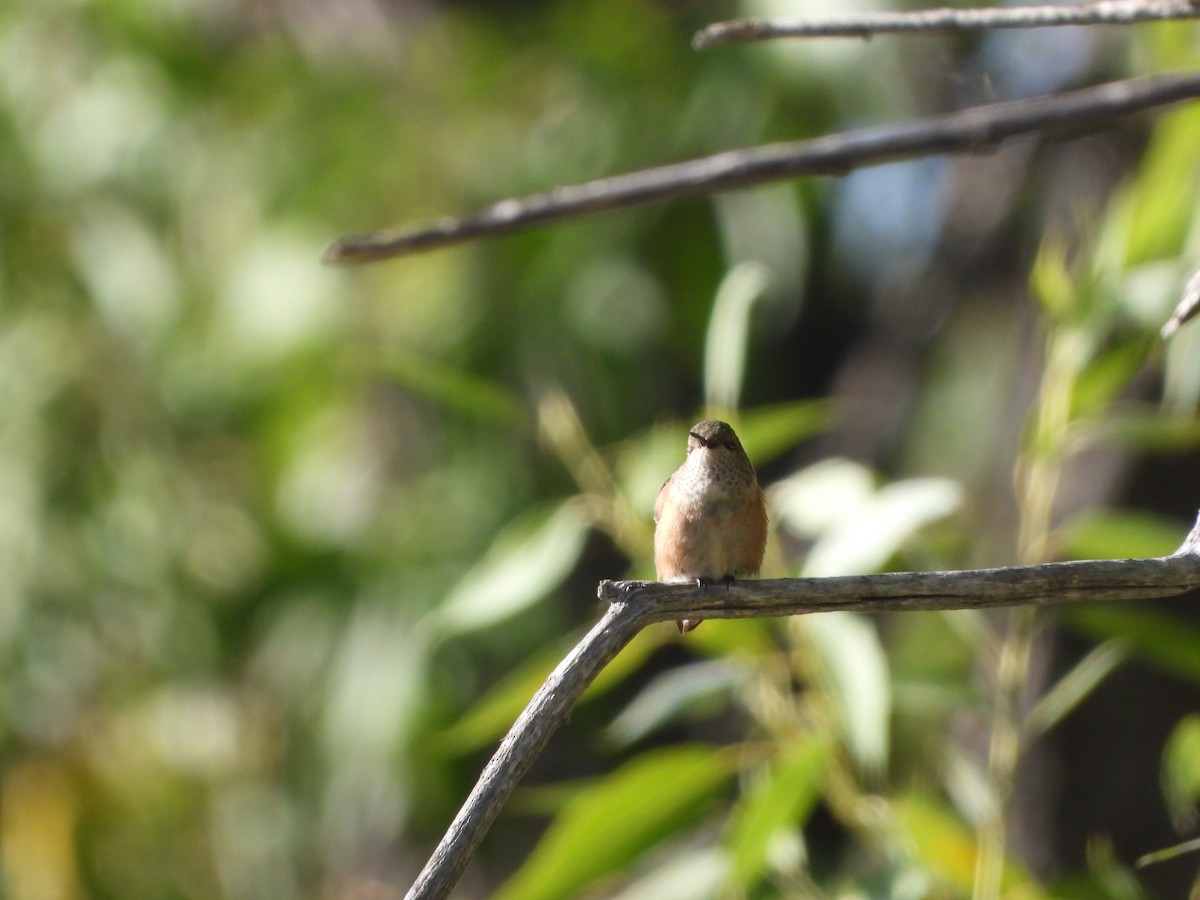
pixel 1188 306
pixel 548 709
pixel 634 604
pixel 970 130
pixel 1113 12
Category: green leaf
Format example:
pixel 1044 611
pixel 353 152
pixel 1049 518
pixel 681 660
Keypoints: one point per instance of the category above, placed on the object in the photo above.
pixel 1051 282
pixel 856 671
pixel 612 823
pixel 868 537
pixel 768 431
pixel 494 713
pixel 947 849
pixel 529 559
pixel 1163 640
pixel 1181 772
pixel 454 388
pixel 1149 429
pixel 1107 375
pixel 729 333
pixel 1120 534
pixel 1070 690
pixel 1163 196
pixel 1106 878
pixel 1172 852
pixel 684 874
pixel 671 694
pixel 781 798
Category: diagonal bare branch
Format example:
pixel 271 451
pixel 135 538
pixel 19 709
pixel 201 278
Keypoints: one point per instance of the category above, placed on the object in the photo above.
pixel 635 604
pixel 1111 12
pixel 970 130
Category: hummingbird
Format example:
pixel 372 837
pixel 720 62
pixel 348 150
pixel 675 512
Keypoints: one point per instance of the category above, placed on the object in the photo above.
pixel 710 516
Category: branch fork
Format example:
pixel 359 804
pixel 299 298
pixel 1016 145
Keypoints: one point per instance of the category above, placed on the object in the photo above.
pixel 635 604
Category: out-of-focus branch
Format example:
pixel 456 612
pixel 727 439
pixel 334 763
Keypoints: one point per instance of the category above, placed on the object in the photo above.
pixel 1186 309
pixel 635 604
pixel 970 130
pixel 1112 12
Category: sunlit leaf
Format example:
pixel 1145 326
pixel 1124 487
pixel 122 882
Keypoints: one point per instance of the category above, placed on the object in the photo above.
pixel 781 798
pixel 822 496
pixel 855 666
pixel 685 874
pixel 527 561
pixel 1162 197
pixel 729 333
pixel 940 841
pixel 946 847
pixel 1181 772
pixel 612 823
pixel 864 542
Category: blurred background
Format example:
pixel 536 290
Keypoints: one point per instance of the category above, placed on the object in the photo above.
pixel 285 549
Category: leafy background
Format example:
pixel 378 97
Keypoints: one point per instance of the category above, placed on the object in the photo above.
pixel 284 549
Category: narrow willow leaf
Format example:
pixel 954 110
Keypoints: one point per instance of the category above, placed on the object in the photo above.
pixel 1072 688
pixel 853 660
pixel 729 333
pixel 781 799
pixel 1155 637
pixel 684 875
pixel 529 559
pixel 610 824
pixel 456 389
pixel 670 695
pixel 1181 771
pixel 864 542
pixel 1167 853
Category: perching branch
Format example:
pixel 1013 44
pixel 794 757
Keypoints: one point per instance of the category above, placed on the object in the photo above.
pixel 548 709
pixel 969 130
pixel 635 604
pixel 1113 12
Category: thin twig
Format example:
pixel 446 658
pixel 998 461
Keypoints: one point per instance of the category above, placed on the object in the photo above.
pixel 969 130
pixel 548 709
pixel 634 604
pixel 1188 306
pixel 1113 12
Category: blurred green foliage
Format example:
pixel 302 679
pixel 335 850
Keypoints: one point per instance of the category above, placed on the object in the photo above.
pixel 284 550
